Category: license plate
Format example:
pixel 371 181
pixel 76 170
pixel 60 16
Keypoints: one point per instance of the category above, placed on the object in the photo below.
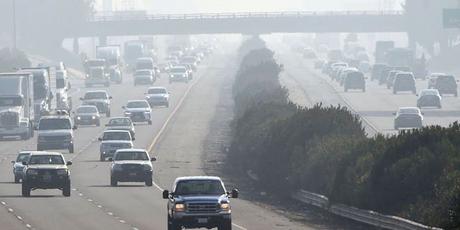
pixel 202 220
pixel 132 174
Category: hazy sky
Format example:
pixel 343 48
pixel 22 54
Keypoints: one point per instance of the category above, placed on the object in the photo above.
pixel 189 6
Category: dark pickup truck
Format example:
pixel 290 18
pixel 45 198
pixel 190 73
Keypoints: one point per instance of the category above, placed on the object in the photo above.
pixel 199 202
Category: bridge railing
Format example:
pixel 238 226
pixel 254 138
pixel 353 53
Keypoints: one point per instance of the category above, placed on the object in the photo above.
pixel 143 15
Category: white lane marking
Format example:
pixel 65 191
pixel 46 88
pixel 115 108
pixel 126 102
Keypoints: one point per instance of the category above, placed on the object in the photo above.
pixel 242 228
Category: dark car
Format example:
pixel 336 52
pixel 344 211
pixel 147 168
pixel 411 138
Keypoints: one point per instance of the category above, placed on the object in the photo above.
pixel 354 80
pixel 377 70
pixel 429 98
pixel 404 81
pixel 199 202
pixel 446 84
pixel 46 170
pixel 131 165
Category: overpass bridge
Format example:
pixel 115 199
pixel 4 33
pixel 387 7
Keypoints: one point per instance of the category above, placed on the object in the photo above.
pixel 124 23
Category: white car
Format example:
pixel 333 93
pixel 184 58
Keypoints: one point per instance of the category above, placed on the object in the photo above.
pixel 112 140
pixel 144 76
pixel 121 123
pixel 178 73
pixel 131 165
pixel 429 98
pixel 157 96
pixel 138 111
pixel 408 117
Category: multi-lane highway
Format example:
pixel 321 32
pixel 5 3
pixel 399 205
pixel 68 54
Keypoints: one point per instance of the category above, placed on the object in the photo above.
pixel 376 106
pixel 176 138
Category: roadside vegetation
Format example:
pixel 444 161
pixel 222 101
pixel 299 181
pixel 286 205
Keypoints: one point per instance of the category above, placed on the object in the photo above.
pixel 10 59
pixel 415 174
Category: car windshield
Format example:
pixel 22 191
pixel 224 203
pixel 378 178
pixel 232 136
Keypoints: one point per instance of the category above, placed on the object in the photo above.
pixel 199 187
pixel 10 101
pixel 87 109
pixel 446 80
pixel 46 159
pixel 157 91
pixel 54 123
pixel 143 72
pixel 95 95
pixel 116 136
pixel 137 104
pixel 23 157
pixel 120 122
pixel 127 156
pixel 178 70
pixel 408 111
pixel 429 93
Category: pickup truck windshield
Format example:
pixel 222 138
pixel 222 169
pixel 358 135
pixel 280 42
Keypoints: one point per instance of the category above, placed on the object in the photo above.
pixel 157 91
pixel 116 136
pixel 199 187
pixel 95 95
pixel 46 160
pixel 22 157
pixel 137 104
pixel 120 122
pixel 54 124
pixel 131 156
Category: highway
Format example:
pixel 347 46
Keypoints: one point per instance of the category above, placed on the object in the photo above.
pixel 376 106
pixel 176 138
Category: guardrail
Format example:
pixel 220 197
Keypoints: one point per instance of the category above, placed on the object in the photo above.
pixel 142 15
pixel 363 216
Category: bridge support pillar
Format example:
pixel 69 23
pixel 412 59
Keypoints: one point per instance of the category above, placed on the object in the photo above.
pixel 76 46
pixel 102 40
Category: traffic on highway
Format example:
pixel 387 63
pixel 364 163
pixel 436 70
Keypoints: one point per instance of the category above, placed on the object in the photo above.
pixel 129 115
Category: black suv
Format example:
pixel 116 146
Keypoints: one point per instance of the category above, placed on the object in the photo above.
pixel 199 202
pixel 46 170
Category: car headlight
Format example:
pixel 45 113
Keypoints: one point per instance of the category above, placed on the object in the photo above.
pixel 225 206
pixel 61 172
pixel 78 118
pixel 93 117
pixel 179 207
pixel 127 113
pixel 147 168
pixel 117 167
pixel 32 172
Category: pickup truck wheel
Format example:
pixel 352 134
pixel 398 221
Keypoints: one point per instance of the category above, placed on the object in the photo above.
pixel 66 189
pixel 25 190
pixel 113 182
pixel 101 157
pixel 149 122
pixel 172 225
pixel 149 182
pixel 16 179
pixel 225 225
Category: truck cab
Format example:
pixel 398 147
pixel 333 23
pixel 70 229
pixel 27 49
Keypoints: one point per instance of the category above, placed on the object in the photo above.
pixel 97 76
pixel 199 202
pixel 63 99
pixel 16 105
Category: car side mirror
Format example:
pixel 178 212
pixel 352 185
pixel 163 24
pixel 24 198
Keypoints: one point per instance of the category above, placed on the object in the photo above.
pixel 123 107
pixel 153 159
pixel 81 99
pixel 13 162
pixel 99 138
pixel 69 163
pixel 166 194
pixel 111 159
pixel 235 193
pixel 74 127
pixel 24 163
pixel 394 114
pixel 110 97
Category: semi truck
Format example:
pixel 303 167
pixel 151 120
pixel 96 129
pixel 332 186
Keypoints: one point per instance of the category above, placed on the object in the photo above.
pixel 42 96
pixel 17 105
pixel 112 56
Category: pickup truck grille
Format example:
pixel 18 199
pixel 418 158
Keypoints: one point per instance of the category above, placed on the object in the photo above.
pixel 9 119
pixel 202 207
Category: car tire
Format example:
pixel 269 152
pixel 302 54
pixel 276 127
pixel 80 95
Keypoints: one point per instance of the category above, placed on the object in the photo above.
pixel 149 122
pixel 16 179
pixel 25 136
pixel 113 182
pixel 25 190
pixel 107 114
pixel 225 225
pixel 172 225
pixel 71 148
pixel 101 157
pixel 98 123
pixel 149 182
pixel 66 190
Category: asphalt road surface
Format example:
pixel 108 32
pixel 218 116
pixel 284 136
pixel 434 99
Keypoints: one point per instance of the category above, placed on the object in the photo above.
pixel 176 138
pixel 376 106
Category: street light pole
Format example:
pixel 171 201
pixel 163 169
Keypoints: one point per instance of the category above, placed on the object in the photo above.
pixel 14 25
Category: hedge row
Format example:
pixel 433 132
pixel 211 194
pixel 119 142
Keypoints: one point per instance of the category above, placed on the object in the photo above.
pixel 415 174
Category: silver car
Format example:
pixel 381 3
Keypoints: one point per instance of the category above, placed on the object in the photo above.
pixel 121 123
pixel 18 167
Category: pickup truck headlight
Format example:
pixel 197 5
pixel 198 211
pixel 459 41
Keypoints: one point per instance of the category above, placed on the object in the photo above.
pixel 78 118
pixel 32 172
pixel 179 207
pixel 61 172
pixel 225 206
pixel 147 168
pixel 127 113
pixel 93 117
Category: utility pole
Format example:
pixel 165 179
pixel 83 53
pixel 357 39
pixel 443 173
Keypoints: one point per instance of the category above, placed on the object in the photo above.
pixel 14 25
